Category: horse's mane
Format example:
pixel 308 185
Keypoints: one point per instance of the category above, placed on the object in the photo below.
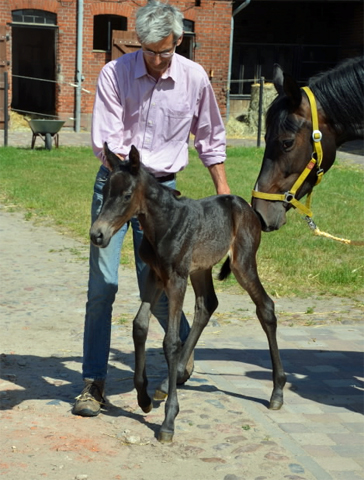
pixel 340 91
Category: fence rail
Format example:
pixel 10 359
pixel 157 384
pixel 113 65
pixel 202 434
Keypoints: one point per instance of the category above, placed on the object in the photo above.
pixel 6 89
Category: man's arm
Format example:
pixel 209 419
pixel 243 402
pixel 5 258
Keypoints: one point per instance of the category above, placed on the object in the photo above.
pixel 218 176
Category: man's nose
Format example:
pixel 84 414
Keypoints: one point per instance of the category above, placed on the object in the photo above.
pixel 157 59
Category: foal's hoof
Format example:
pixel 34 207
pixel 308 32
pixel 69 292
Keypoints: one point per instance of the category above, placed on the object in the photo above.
pixel 188 370
pixel 275 403
pixel 165 437
pixel 148 408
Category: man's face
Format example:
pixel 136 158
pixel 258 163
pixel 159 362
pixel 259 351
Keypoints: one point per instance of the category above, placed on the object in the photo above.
pixel 158 64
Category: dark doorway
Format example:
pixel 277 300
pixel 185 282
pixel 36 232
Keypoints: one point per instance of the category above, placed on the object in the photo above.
pixel 33 56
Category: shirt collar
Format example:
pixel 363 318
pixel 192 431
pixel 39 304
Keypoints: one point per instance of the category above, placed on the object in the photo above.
pixel 141 69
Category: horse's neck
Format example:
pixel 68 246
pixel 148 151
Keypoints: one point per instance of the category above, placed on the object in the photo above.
pixel 343 137
pixel 344 125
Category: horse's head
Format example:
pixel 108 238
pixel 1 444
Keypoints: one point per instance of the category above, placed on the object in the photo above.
pixel 288 150
pixel 120 197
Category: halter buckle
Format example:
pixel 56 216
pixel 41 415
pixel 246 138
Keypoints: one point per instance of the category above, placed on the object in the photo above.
pixel 316 136
pixel 310 222
pixel 288 197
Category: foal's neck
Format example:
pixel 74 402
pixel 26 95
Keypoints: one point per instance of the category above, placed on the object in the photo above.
pixel 158 204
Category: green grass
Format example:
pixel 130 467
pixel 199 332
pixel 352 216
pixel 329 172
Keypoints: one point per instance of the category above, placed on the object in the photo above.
pixel 56 187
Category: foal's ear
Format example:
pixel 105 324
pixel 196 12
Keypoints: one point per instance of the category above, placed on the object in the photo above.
pixel 113 159
pixel 134 159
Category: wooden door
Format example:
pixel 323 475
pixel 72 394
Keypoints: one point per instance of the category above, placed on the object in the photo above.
pixel 123 42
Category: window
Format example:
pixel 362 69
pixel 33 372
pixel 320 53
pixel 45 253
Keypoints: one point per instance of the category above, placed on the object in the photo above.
pixel 186 49
pixel 103 27
pixel 38 17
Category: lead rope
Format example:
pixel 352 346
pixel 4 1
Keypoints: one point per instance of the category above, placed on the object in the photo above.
pixel 319 233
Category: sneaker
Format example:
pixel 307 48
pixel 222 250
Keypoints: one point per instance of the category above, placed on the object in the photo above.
pixel 91 399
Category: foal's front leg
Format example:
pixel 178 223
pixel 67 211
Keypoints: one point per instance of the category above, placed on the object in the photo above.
pixel 175 291
pixel 140 333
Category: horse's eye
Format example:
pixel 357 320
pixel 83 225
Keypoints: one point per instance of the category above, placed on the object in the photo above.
pixel 287 144
pixel 127 197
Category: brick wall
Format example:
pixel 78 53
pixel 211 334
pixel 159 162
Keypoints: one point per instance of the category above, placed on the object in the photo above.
pixel 212 36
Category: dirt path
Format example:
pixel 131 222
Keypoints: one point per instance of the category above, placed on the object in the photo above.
pixel 224 430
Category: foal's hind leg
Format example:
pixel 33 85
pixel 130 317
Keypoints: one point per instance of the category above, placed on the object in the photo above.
pixel 206 304
pixel 245 270
pixel 140 332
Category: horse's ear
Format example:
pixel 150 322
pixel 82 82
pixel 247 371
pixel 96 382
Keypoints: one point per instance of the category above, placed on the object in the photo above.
pixel 134 159
pixel 292 90
pixel 113 160
pixel 278 78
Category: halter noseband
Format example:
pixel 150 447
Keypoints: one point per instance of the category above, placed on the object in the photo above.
pixel 316 159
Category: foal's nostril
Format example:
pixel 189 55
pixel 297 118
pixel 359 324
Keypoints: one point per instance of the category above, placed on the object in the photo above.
pixel 97 237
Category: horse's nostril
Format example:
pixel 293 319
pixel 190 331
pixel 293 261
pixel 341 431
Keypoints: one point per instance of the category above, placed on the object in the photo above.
pixel 97 238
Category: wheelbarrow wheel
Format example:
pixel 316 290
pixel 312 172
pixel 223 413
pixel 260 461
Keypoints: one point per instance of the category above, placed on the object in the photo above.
pixel 48 141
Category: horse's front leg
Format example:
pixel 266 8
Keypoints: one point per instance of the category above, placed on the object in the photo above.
pixel 175 290
pixel 140 332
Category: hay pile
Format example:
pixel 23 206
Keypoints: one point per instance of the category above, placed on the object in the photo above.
pixel 248 126
pixel 18 121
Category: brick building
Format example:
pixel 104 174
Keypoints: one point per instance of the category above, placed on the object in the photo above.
pixel 39 42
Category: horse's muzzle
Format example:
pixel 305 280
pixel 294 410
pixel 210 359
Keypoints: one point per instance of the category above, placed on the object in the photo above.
pixel 272 214
pixel 100 235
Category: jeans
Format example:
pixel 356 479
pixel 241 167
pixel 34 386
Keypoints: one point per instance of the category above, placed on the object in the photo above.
pixel 103 286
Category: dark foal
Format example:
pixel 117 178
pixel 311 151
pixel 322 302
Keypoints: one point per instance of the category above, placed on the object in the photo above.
pixel 184 237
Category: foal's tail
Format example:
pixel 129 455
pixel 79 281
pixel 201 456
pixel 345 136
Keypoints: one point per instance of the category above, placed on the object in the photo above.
pixel 225 270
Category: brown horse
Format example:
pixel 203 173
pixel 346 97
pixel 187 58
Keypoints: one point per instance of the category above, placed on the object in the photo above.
pixel 184 238
pixel 304 127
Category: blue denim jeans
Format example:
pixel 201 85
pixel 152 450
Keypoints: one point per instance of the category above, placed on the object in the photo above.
pixel 103 286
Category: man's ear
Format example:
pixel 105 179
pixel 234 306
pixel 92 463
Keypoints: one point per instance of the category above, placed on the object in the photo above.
pixel 179 41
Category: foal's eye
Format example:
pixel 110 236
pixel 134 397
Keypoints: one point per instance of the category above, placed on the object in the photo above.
pixel 287 144
pixel 127 197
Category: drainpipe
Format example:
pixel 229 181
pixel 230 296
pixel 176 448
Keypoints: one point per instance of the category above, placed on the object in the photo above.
pixel 235 12
pixel 79 65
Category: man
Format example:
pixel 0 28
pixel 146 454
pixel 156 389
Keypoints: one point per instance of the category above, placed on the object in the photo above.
pixel 154 99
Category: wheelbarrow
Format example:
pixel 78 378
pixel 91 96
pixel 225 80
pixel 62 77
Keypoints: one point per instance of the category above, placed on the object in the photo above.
pixel 47 130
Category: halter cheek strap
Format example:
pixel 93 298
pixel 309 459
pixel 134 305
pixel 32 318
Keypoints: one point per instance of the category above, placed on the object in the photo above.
pixel 316 159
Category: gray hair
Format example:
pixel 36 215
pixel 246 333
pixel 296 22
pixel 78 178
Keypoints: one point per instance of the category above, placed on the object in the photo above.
pixel 156 21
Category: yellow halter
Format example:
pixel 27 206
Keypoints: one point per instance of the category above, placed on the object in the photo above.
pixel 316 159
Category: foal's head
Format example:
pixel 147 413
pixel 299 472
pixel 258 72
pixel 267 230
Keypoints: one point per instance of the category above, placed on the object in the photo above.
pixel 121 196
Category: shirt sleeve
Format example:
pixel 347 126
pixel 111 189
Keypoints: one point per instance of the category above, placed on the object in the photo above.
pixel 208 128
pixel 108 112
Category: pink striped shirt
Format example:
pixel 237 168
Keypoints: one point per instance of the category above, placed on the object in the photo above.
pixel 132 108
